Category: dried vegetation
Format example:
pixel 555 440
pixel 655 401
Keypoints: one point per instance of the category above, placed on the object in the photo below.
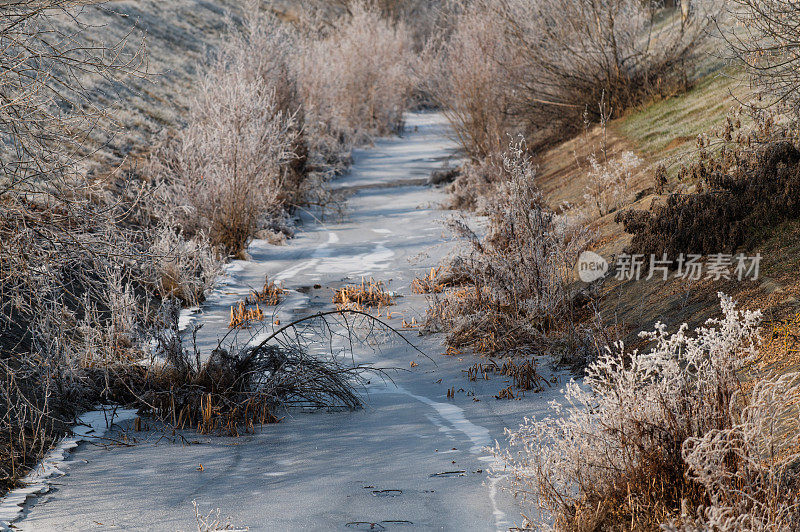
pixel 746 183
pixel 667 436
pixel 513 284
pixel 365 296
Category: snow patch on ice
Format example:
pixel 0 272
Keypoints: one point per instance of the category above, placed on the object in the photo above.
pixel 186 317
pixel 377 259
pixel 91 426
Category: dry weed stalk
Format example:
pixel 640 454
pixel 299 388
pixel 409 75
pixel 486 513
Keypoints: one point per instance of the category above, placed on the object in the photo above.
pixel 243 317
pixel 432 283
pixel 270 295
pixel 609 178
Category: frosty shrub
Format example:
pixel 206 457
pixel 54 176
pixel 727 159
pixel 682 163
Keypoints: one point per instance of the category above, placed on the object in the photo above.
pixel 763 40
pixel 182 269
pixel 574 51
pixel 746 178
pixel 465 76
pixel 534 67
pixel 228 166
pixel 609 180
pixel 355 81
pixel 514 289
pixel 665 436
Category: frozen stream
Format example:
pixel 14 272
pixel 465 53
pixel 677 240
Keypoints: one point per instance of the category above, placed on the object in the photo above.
pixel 411 459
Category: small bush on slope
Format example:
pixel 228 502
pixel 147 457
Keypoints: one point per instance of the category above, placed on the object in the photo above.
pixel 231 166
pixel 766 34
pixel 535 67
pixel 747 184
pixel 666 436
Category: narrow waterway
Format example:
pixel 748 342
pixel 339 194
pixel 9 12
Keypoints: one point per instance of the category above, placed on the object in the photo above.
pixel 412 458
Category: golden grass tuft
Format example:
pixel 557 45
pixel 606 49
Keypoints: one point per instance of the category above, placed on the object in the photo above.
pixel 432 283
pixel 242 317
pixel 270 295
pixel 367 295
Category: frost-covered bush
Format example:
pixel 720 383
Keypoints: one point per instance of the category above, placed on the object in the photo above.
pixel 230 166
pixel 182 268
pixel 572 52
pixel 533 67
pixel 465 76
pixel 609 181
pixel 666 435
pixel 515 279
pixel 355 81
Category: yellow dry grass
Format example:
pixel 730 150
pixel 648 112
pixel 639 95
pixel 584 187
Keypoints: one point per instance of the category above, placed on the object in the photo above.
pixel 432 283
pixel 364 296
pixel 270 295
pixel 242 317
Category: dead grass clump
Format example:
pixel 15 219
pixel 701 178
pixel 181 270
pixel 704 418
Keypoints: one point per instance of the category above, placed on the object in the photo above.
pixel 515 279
pixel 524 374
pixel 432 283
pixel 270 295
pixel 746 184
pixel 243 317
pixel 367 295
pixel 235 388
pixel 668 436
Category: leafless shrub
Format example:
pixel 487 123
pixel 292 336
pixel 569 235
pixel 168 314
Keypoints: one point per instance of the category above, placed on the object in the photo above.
pixel 227 164
pixel 26 425
pixel 575 51
pixel 465 75
pixel 355 82
pixel 517 277
pixel 535 67
pixel 238 387
pixel 763 40
pixel 677 413
pixel 421 17
pixel 46 112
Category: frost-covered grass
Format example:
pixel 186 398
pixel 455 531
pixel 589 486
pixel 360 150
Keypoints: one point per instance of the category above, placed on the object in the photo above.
pixel 666 436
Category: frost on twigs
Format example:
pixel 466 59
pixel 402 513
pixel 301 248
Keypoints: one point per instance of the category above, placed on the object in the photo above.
pixel 665 436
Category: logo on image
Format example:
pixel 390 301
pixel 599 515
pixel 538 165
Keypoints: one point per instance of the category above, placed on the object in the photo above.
pixel 591 266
